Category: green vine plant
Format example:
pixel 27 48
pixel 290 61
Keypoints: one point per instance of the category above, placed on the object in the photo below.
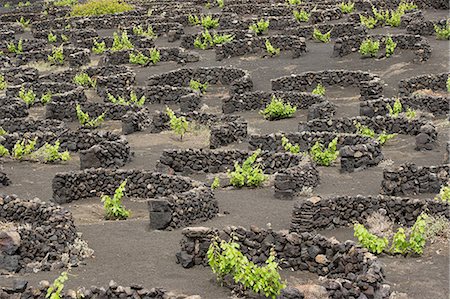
pixel 149 33
pixel 28 96
pixel 46 97
pixel 193 20
pixel 208 22
pixel 369 48
pixel 215 184
pixel 220 3
pixel 23 148
pixel 444 193
pixel 83 79
pixel 368 22
pixel 448 84
pixel 319 90
pixel 294 2
pixel 114 209
pixel 57 56
pixel 54 291
pixel 134 100
pixel 138 58
pixel 271 49
pixel 179 125
pixel 121 42
pixel 366 131
pixel 395 109
pixel 50 153
pixel 23 22
pixel 289 147
pixel 85 120
pixel 410 113
pixel 15 49
pixel 198 86
pixel 260 27
pixel 442 33
pixel 390 46
pixel 99 48
pixel 3 151
pixel 322 37
pixel 205 40
pixel 347 8
pixel 52 38
pixel 249 174
pixel 324 156
pixel 277 109
pixel 3 131
pixel 401 243
pixel 301 16
pixel 225 258
pixel 3 83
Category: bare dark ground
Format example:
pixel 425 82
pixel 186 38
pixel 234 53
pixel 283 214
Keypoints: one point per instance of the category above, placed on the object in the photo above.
pixel 128 252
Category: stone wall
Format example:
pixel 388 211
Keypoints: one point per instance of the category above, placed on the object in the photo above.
pixel 370 86
pixel 18 75
pixel 434 82
pixel 4 179
pixel 42 232
pixel 24 125
pixel 239 47
pixel 12 107
pixel 61 92
pixel 438 105
pixel 350 271
pixel 239 80
pixel 176 54
pixel 339 211
pixel 74 57
pixel 337 30
pixel 348 44
pixel 260 99
pixel 424 27
pixel 412 179
pixel 174 201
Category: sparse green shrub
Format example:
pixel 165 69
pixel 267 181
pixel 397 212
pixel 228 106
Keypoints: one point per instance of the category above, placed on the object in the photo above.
pixel 22 4
pixel 249 174
pixel 139 31
pixel 122 101
pixel 86 121
pixel 28 96
pixel 3 83
pixel 410 113
pixel 215 184
pixel 198 86
pixel 271 49
pixel 444 193
pixel 219 39
pixel 121 42
pixel 23 22
pixel 259 27
pixel 406 6
pixel 442 32
pixel 226 259
pixel 46 97
pixel 208 22
pixel 57 56
pixel 177 124
pixel 448 84
pixel 84 80
pixel 278 109
pixel 347 7
pixel 114 209
pixel 370 241
pixel 390 46
pixel 319 90
pixel 220 3
pixel 23 148
pixel 138 58
pixel 302 15
pixel 384 137
pixel 395 18
pixel 294 2
pixel 324 156
pixel 3 151
pixel 100 7
pixel 364 130
pixel 368 22
pixel 155 55
pixel 15 49
pixel 289 147
pixel 51 37
pixel 369 47
pixel 206 40
pixel 193 20
pixel 64 38
pixel 7 5
pixel 324 38
pixel 396 109
pixel 3 131
pixel 64 2
pixel 54 291
pixel 99 48
pixel 50 153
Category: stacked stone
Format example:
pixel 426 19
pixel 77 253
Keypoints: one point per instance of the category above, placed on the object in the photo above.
pixel 370 85
pixel 174 201
pixel 74 35
pixel 135 121
pixel 438 105
pixel 176 54
pixel 13 107
pixel 322 110
pixel 112 77
pixel 351 270
pixel 73 56
pixel 45 232
pixel 337 30
pixel 291 181
pixel 412 179
pixel 4 180
pixel 435 82
pixel 349 44
pixel 61 92
pixel 106 154
pixel 227 133
pixel 322 213
pixel 252 45
pixel 18 76
pixel 239 80
pixel 259 99
pixel 24 125
pixel 424 27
